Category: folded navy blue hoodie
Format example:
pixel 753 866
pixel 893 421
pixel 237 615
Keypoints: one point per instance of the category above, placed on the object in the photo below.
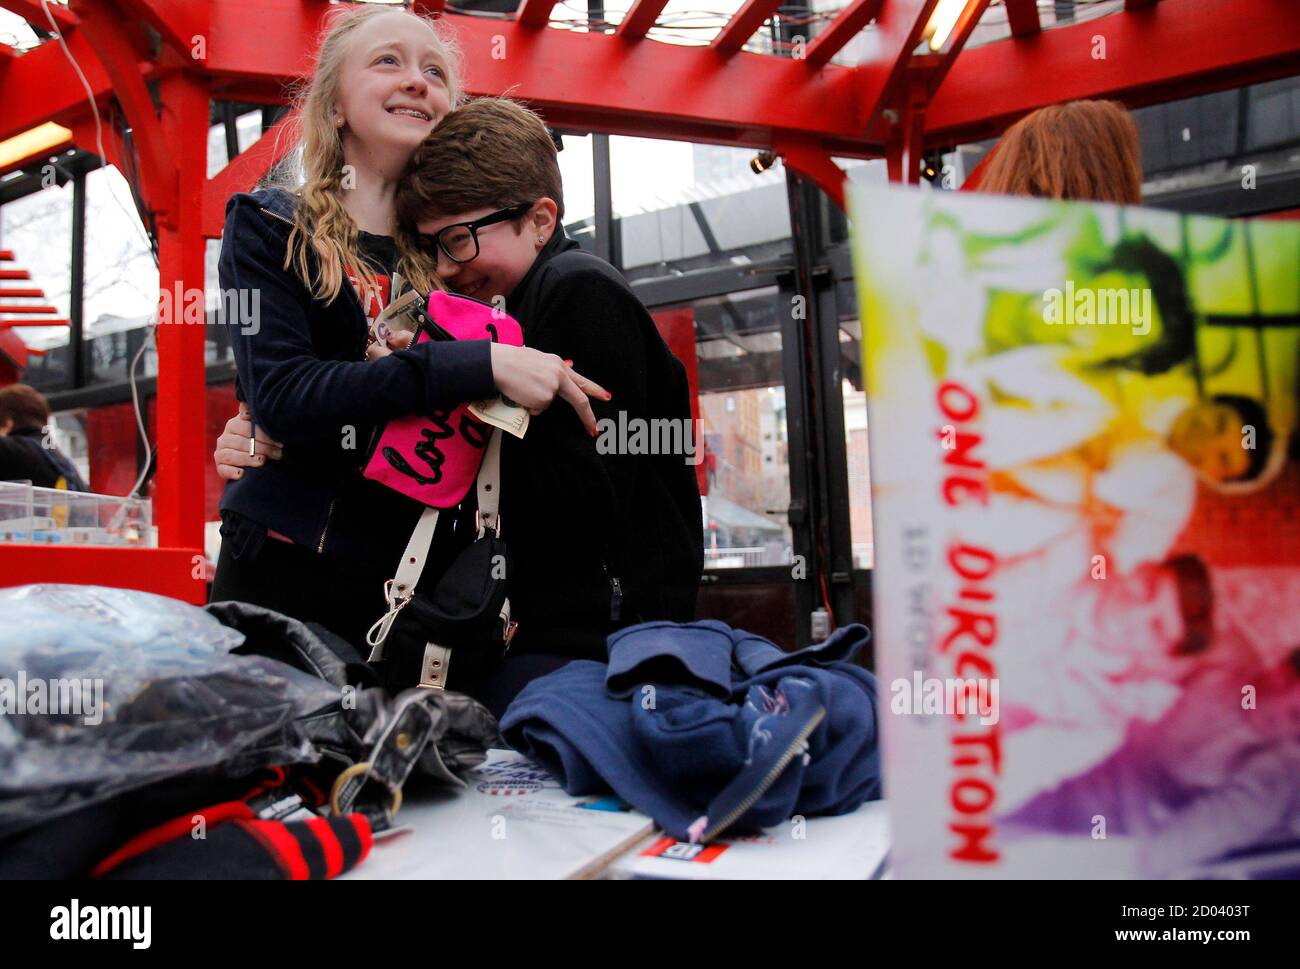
pixel 705 727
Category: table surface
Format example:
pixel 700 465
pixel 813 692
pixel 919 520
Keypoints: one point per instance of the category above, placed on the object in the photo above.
pixel 513 820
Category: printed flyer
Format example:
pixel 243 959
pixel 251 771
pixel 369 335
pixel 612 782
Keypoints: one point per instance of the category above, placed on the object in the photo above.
pixel 1086 503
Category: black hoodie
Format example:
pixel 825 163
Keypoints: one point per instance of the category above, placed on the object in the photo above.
pixel 598 541
pixel 23 457
pixel 302 370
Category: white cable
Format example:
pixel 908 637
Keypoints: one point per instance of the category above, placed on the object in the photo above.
pixel 139 418
pixel 133 218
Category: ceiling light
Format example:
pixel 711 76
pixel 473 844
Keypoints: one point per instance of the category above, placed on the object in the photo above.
pixel 34 141
pixel 942 21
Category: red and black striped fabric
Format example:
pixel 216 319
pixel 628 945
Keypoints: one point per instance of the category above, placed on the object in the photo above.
pixel 229 841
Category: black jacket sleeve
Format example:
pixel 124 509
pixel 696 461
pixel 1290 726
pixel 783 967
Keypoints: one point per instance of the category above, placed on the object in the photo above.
pixel 643 508
pixel 293 393
pixel 21 461
pixel 596 322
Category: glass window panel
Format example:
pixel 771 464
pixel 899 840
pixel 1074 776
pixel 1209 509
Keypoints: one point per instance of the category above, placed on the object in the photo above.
pixel 683 206
pixel 856 435
pixel 732 351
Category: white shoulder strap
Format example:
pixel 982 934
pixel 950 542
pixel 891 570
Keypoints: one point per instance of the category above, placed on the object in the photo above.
pixel 401 587
pixel 489 483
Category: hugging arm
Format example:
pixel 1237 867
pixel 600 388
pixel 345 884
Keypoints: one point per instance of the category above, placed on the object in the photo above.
pixel 292 393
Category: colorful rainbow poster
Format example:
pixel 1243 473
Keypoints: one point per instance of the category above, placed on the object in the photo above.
pixel 1086 503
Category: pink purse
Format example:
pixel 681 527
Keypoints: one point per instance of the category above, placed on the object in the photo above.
pixel 435 458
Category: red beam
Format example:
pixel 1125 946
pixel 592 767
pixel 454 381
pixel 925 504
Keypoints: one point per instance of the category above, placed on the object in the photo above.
pixel 880 75
pixel 242 172
pixel 180 24
pixel 6 255
pixel 182 448
pixel 813 163
pixel 846 25
pixel 9 324
pixel 83 136
pixel 742 25
pixel 41 86
pixel 535 13
pixel 1023 17
pixel 742 100
pixel 31 11
pixel 907 139
pixel 29 293
pixel 28 309
pixel 938 65
pixel 165 571
pixel 640 19
pixel 1178 49
pixel 15 274
pixel 99 22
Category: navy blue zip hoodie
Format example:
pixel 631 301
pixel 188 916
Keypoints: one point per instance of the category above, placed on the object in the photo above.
pixel 302 370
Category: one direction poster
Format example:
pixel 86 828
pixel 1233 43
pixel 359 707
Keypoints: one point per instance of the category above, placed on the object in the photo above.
pixel 1086 503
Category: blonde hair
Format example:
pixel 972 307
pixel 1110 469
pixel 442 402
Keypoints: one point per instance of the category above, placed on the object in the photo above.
pixel 314 169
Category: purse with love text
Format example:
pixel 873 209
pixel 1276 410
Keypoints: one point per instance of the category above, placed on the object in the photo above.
pixel 435 457
pixel 463 614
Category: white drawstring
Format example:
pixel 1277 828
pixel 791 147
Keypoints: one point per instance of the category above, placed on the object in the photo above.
pixel 378 632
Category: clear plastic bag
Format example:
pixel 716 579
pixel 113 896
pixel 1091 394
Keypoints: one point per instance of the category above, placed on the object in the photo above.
pixel 104 690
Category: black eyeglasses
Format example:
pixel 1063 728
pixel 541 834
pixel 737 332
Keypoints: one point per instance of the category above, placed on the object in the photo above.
pixel 459 241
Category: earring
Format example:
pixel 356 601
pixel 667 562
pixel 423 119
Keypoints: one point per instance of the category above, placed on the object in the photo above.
pixel 338 122
pixel 541 240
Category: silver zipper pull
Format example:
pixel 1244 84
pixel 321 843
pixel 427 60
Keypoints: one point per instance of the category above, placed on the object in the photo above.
pixel 616 600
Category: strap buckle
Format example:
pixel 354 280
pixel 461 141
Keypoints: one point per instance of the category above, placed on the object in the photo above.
pixel 378 632
pixel 396 602
pixel 343 795
pixel 484 522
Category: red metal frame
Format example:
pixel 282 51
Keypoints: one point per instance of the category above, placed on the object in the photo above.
pixel 1022 15
pixel 640 18
pixel 893 104
pixel 1176 49
pixel 742 25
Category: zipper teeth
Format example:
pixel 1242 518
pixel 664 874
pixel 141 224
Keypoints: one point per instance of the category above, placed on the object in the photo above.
pixel 325 531
pixel 329 515
pixel 276 215
pixel 768 779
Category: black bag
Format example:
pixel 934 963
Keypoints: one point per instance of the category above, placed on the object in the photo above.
pixel 456 634
pixel 466 618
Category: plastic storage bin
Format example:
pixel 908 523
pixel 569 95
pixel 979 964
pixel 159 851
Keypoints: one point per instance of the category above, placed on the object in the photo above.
pixel 53 516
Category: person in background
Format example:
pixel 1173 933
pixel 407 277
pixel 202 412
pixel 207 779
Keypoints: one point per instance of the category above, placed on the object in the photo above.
pixel 1084 151
pixel 26 453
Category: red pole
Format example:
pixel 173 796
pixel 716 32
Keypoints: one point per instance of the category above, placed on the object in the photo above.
pixel 906 141
pixel 178 503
